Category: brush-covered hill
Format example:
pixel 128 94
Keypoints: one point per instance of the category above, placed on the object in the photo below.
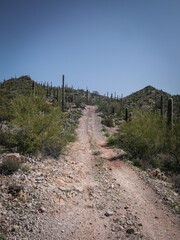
pixel 25 86
pixel 150 98
pixel 33 118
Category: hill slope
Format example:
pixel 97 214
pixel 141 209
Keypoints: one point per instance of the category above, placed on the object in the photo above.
pixel 24 86
pixel 150 97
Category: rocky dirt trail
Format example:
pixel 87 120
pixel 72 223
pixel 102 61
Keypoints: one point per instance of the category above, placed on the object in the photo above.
pixel 86 195
pixel 158 220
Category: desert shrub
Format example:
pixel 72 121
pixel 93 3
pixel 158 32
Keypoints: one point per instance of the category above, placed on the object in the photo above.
pixel 104 129
pixel 38 126
pixel 2 237
pixel 108 122
pixel 5 110
pixel 25 168
pixel 80 102
pixel 141 137
pixel 113 140
pixel 107 134
pixel 111 108
pixel 168 162
pixel 176 180
pixel 97 153
pixel 3 137
pixel 137 162
pixel 9 166
pixel 146 136
pixel 34 126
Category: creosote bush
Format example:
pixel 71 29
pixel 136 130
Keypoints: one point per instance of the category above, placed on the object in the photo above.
pixel 9 166
pixel 108 122
pixel 176 180
pixel 37 122
pixel 146 137
pixel 36 126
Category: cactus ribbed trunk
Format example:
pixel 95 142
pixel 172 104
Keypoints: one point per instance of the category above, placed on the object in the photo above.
pixel 170 113
pixel 126 115
pixel 87 97
pixel 63 95
pixel 162 106
pixel 51 91
pixel 34 90
pixel 47 93
pixel 57 94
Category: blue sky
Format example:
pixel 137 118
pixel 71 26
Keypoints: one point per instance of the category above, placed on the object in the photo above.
pixel 105 45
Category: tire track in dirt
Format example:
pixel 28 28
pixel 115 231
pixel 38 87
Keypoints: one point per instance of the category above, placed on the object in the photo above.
pixel 88 197
pixel 158 220
pixel 82 216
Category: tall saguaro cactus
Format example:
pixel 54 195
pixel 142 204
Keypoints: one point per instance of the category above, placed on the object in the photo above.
pixel 34 90
pixel 162 106
pixel 87 97
pixel 63 94
pixel 47 90
pixel 126 115
pixel 170 113
pixel 57 94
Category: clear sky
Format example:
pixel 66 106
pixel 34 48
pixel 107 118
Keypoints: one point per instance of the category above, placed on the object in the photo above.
pixel 105 45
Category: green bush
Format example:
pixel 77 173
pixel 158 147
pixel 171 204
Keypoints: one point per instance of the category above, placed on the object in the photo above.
pixel 146 136
pixel 35 124
pixel 107 134
pixel 1 237
pixel 9 166
pixel 137 162
pixel 176 180
pixel 97 153
pixel 25 168
pixel 38 126
pixel 111 108
pixel 113 140
pixel 108 122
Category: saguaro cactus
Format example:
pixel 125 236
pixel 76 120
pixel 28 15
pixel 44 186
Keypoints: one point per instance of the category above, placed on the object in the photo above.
pixel 51 90
pixel 34 90
pixel 170 113
pixel 162 106
pixel 126 115
pixel 63 94
pixel 47 93
pixel 57 94
pixel 87 97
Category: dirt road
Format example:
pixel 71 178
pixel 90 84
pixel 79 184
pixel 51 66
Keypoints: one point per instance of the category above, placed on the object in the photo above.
pixel 112 201
pixel 90 197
